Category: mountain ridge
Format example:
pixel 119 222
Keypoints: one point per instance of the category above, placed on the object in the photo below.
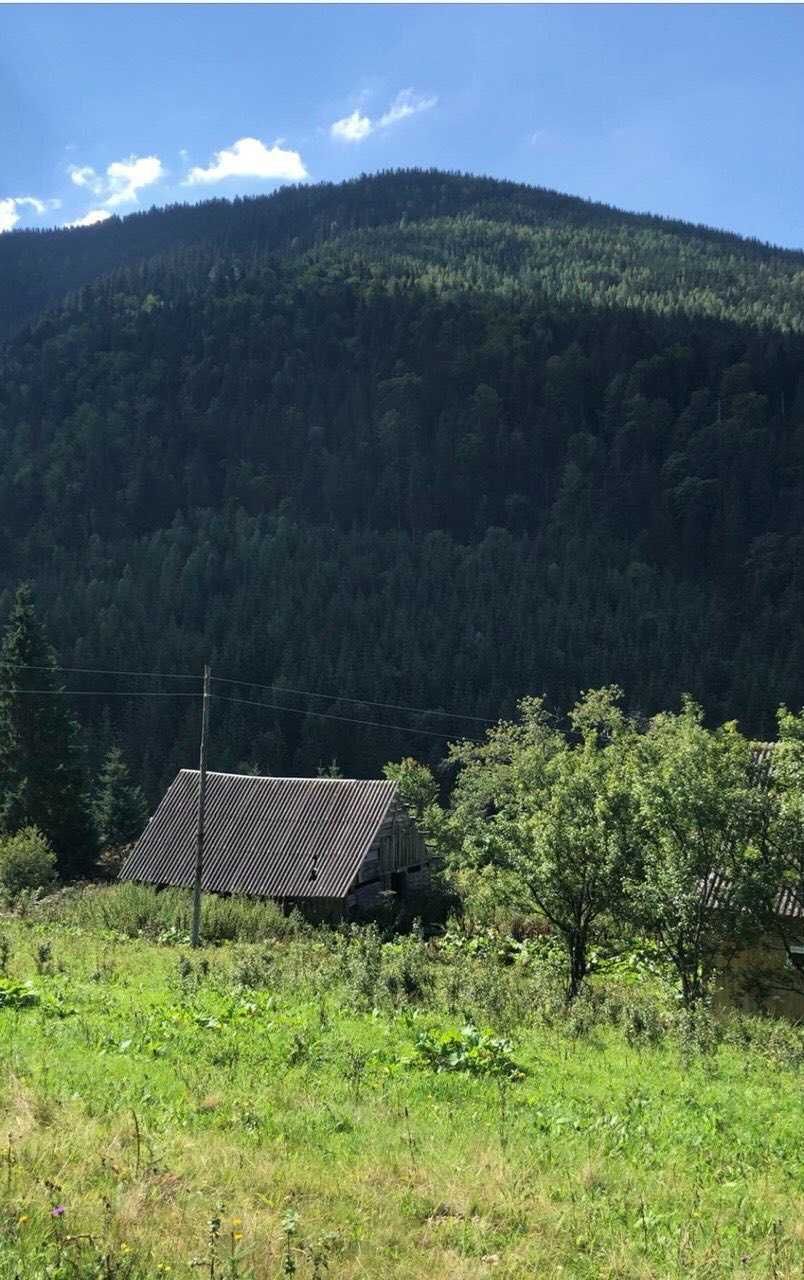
pixel 163 228
pixel 443 460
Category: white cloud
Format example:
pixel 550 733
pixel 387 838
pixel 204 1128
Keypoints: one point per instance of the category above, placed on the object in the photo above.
pixel 10 209
pixel 127 177
pixel 8 214
pixel 249 158
pixel 85 176
pixel 353 128
pixel 356 127
pixel 39 206
pixel 122 181
pixel 406 103
pixel 90 219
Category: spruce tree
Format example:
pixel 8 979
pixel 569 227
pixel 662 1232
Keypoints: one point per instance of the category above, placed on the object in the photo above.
pixel 42 779
pixel 120 809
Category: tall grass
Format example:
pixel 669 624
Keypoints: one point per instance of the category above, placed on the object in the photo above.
pixel 164 915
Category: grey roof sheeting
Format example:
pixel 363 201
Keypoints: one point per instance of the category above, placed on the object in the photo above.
pixel 271 837
pixel 788 903
pixel 790 899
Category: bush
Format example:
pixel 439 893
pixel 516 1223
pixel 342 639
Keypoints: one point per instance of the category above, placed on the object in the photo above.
pixel 254 967
pixel 361 954
pixel 17 995
pixel 639 1013
pixel 491 897
pixel 405 970
pixel 780 1042
pixel 697 1031
pixel 476 1051
pixel 26 862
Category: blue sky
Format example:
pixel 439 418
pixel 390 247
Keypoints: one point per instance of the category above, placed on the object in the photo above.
pixel 690 111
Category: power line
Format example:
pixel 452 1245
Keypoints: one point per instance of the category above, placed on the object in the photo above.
pixel 250 702
pixel 323 715
pixel 275 688
pixel 108 671
pixel 109 693
pixel 365 702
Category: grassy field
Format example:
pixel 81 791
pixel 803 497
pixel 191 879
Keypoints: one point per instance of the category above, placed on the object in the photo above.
pixel 314 1105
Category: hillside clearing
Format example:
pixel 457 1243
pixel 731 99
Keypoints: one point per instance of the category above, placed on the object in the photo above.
pixel 289 1089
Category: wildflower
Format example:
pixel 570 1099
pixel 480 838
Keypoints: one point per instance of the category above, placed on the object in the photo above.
pixel 237 1222
pixel 22 1219
pixel 57 1211
pixel 237 1235
pixel 125 1248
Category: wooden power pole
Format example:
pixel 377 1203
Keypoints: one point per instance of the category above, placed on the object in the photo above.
pixel 195 933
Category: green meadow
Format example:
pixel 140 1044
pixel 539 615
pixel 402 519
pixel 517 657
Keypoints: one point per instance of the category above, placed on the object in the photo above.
pixel 324 1103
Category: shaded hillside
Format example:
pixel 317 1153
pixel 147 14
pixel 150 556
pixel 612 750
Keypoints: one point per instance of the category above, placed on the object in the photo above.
pixel 415 439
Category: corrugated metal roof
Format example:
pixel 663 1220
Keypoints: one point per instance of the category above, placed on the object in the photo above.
pixel 788 903
pixel 763 761
pixel 273 837
pixel 763 753
pixel 790 899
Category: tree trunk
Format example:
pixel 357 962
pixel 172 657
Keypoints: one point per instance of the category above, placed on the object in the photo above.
pixel 577 963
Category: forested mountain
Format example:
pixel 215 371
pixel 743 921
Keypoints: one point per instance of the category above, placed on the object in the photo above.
pixel 417 439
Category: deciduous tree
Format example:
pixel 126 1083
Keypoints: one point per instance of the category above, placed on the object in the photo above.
pixel 554 812
pixel 705 867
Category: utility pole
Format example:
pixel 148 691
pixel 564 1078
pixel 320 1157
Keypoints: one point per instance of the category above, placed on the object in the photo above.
pixel 195 934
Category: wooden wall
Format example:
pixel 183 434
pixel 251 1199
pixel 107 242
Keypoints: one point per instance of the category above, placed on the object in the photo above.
pixel 760 981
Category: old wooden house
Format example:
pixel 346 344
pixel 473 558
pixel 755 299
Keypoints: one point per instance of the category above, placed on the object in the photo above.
pixel 768 977
pixel 329 845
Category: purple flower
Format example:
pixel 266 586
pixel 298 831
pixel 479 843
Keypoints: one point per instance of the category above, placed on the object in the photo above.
pixel 57 1211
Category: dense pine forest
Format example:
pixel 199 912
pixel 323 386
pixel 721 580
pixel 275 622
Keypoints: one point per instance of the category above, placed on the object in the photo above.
pixel 419 439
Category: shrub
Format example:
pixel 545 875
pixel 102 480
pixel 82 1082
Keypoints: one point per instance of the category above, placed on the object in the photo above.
pixel 26 862
pixel 361 957
pixel 696 1030
pixel 585 1015
pixel 780 1042
pixel 17 995
pixel 490 896
pixel 405 970
pixel 638 1013
pixel 240 919
pixel 476 1051
pixel 492 978
pixel 252 968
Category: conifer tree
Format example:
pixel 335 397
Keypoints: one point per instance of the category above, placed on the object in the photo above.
pixel 120 809
pixel 42 779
